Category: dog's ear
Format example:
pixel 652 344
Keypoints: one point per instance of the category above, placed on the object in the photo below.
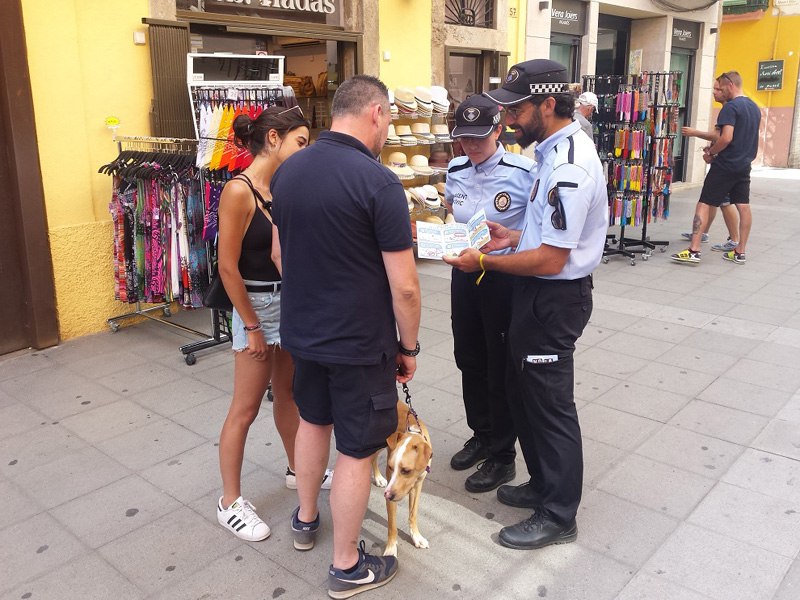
pixel 424 454
pixel 392 440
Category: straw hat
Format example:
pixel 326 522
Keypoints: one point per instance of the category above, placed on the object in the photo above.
pixel 419 164
pixel 398 164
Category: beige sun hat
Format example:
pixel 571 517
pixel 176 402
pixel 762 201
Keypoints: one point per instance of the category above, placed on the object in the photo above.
pixel 419 164
pixel 404 95
pixel 398 164
pixel 439 97
pixel 422 94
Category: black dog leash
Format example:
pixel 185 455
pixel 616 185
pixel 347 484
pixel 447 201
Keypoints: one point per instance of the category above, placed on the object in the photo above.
pixel 413 413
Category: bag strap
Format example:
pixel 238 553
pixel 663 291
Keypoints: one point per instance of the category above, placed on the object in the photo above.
pixel 256 195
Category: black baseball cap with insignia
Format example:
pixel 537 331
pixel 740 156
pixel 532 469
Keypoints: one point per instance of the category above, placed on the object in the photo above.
pixel 531 78
pixel 476 117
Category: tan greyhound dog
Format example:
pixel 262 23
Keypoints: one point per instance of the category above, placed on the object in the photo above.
pixel 407 463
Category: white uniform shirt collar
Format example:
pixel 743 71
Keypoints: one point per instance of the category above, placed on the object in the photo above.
pixel 490 163
pixel 542 148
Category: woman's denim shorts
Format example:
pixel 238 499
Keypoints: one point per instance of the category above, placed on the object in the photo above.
pixel 268 308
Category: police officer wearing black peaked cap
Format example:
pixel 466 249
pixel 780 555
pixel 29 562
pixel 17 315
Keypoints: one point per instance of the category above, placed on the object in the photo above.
pixel 558 247
pixel 498 182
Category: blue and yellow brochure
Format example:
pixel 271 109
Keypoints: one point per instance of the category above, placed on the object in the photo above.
pixel 435 241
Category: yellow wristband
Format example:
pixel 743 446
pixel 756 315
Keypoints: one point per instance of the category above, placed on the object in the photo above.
pixel 480 262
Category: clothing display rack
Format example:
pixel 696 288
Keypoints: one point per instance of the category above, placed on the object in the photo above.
pixel 159 220
pixel 634 131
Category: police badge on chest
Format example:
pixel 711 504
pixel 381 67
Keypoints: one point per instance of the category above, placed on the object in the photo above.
pixel 502 202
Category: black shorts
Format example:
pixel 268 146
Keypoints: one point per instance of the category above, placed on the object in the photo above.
pixel 720 184
pixel 359 400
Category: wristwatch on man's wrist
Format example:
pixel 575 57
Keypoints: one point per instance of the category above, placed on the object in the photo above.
pixel 413 352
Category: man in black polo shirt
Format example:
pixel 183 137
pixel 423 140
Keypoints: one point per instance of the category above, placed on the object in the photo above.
pixel 343 241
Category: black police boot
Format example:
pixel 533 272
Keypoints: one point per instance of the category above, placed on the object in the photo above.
pixel 537 531
pixel 489 475
pixel 518 496
pixel 472 452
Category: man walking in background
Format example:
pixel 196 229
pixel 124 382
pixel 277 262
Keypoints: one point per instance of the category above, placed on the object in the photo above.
pixel 730 157
pixel 585 106
pixel 727 209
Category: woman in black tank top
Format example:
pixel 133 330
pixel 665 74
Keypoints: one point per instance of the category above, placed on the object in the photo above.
pixel 250 277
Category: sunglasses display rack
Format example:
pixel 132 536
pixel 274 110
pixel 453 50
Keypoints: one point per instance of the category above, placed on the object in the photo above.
pixel 634 130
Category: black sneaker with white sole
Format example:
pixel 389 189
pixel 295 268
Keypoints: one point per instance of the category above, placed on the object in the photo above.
pixel 370 572
pixel 305 534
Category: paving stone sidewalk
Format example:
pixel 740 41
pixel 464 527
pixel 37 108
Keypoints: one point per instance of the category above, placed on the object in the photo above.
pixel 687 388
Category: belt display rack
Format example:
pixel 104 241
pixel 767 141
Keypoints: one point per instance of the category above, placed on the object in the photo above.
pixel 635 128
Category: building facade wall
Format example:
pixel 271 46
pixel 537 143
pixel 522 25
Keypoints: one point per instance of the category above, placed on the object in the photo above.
pixel 651 32
pixel 772 36
pixel 84 67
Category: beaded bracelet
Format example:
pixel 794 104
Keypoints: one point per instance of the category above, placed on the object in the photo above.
pixel 256 327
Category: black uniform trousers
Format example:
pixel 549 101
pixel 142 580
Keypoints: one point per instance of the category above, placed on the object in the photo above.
pixel 481 315
pixel 548 316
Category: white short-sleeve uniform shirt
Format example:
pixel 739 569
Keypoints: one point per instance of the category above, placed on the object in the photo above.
pixel 568 160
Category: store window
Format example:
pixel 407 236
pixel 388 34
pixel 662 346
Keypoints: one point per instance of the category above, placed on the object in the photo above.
pixel 312 67
pixel 685 43
pixel 567 26
pixel 613 36
pixel 469 13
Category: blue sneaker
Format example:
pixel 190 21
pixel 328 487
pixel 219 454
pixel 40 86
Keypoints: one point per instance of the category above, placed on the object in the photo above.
pixel 726 247
pixel 688 236
pixel 305 534
pixel 371 572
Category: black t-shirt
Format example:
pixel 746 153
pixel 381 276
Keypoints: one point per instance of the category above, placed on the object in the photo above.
pixel 337 209
pixel 745 117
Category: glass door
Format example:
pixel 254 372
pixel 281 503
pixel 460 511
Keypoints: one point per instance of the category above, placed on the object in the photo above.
pixel 682 60
pixel 566 50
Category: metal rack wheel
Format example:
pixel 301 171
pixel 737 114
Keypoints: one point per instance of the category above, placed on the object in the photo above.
pixel 114 327
pixel 605 260
pixel 167 311
pixel 633 262
pixel 663 248
pixel 190 359
pixel 645 256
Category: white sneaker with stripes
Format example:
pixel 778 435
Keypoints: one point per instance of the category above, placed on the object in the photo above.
pixel 241 519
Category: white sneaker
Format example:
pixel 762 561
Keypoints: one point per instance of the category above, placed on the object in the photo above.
pixel 241 519
pixel 291 479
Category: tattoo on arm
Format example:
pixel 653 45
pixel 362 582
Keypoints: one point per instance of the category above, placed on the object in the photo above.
pixel 696 224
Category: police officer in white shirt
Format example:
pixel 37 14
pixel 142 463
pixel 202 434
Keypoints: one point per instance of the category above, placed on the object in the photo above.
pixel 560 245
pixel 498 182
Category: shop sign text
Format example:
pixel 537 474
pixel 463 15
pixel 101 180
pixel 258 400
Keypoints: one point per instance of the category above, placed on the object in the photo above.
pixel 770 75
pixel 327 7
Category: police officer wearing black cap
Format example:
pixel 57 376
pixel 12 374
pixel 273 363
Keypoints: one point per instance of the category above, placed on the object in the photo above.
pixel 488 178
pixel 559 246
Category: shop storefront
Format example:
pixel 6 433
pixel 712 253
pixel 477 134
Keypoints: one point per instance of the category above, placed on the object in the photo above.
pixel 103 69
pixel 620 38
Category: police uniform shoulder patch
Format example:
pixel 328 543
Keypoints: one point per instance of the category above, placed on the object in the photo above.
pixel 459 163
pixel 517 160
pixel 502 201
pixel 535 189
